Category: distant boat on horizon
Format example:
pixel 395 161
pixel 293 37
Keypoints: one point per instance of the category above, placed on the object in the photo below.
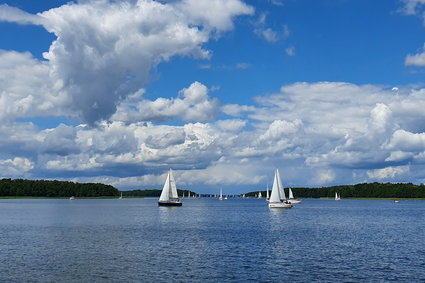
pixel 291 197
pixel 72 198
pixel 120 196
pixel 278 198
pixel 221 194
pixel 337 197
pixel 169 196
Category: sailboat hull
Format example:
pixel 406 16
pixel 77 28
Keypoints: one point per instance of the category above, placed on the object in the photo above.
pixel 170 203
pixel 279 205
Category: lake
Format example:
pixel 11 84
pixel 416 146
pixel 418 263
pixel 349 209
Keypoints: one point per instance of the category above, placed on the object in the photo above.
pixel 207 240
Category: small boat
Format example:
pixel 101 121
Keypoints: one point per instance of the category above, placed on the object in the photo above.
pixel 337 197
pixel 169 196
pixel 396 201
pixel 260 195
pixel 72 198
pixel 291 197
pixel 120 196
pixel 277 197
pixel 221 194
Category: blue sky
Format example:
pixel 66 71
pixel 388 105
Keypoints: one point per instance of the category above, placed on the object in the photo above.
pixel 328 91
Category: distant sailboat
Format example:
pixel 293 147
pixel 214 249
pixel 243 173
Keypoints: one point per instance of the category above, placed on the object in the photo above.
pixel 221 194
pixel 277 198
pixel 291 197
pixel 169 196
pixel 72 198
pixel 337 197
pixel 260 195
pixel 120 196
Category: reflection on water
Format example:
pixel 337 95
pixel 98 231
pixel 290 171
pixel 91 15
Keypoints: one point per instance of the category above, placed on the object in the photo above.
pixel 206 240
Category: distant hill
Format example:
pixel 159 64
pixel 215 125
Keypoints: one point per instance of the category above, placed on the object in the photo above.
pixel 364 190
pixel 47 188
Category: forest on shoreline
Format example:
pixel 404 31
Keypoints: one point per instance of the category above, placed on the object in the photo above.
pixel 54 188
pixel 364 190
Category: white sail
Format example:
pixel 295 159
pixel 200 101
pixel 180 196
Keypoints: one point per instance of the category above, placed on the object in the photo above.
pixel 173 186
pixel 260 195
pixel 337 197
pixel 221 194
pixel 281 191
pixel 275 195
pixel 165 194
pixel 291 195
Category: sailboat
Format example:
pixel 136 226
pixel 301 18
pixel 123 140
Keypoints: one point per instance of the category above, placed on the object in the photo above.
pixel 169 196
pixel 120 196
pixel 291 197
pixel 221 194
pixel 337 197
pixel 277 197
pixel 260 195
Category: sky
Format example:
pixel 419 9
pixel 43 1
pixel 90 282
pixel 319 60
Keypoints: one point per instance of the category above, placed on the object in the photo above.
pixel 222 91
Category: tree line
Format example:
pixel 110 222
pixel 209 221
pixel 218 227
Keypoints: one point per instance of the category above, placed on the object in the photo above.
pixel 54 188
pixel 364 190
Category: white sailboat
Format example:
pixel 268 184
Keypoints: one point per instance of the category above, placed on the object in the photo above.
pixel 277 197
pixel 221 194
pixel 169 196
pixel 291 197
pixel 260 195
pixel 120 196
pixel 337 197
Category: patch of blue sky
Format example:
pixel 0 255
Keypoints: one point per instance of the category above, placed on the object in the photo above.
pixel 48 122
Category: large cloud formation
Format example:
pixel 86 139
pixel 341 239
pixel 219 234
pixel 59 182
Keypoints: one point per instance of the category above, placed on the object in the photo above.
pixel 105 50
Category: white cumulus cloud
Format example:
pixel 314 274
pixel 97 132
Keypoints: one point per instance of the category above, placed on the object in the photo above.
pixel 107 50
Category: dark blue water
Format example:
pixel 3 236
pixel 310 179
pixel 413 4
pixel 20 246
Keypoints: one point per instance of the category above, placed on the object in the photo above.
pixel 207 240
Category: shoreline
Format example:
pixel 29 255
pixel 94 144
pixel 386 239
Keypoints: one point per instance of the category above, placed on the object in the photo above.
pixel 30 197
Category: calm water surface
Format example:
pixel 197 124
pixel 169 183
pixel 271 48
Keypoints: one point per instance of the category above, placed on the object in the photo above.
pixel 207 240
